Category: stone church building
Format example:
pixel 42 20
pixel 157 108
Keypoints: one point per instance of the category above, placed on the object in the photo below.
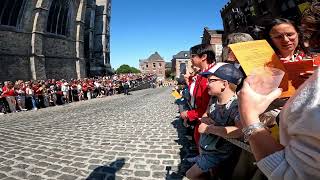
pixel 45 39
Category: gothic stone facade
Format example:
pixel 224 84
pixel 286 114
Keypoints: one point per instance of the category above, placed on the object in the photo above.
pixel 41 39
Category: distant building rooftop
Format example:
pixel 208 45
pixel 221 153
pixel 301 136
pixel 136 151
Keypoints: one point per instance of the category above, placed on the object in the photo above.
pixel 182 55
pixel 154 57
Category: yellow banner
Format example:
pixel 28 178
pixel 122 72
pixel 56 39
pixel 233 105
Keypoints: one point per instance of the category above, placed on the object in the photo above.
pixel 176 95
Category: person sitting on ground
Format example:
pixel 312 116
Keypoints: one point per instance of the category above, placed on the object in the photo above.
pixel 297 154
pixel 220 121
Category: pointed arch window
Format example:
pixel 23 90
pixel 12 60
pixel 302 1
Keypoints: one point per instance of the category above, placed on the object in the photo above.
pixel 58 19
pixel 10 12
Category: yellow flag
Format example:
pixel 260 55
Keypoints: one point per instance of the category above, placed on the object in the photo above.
pixel 176 95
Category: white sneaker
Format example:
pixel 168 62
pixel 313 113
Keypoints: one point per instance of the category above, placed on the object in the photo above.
pixel 192 159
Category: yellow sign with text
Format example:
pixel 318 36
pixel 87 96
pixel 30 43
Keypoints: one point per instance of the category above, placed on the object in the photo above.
pixel 259 53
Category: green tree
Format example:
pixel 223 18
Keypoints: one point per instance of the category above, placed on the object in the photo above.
pixel 123 69
pixel 169 74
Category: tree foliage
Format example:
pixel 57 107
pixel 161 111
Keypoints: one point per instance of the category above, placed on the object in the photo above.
pixel 169 74
pixel 123 69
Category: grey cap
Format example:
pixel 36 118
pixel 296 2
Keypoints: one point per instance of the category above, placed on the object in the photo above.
pixel 238 37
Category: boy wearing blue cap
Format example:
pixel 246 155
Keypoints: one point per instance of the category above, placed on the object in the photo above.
pixel 220 121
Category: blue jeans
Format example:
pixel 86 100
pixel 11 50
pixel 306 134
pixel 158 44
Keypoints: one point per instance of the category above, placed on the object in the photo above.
pixel 34 104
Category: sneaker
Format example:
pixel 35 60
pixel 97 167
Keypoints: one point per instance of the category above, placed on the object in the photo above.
pixel 34 109
pixel 192 159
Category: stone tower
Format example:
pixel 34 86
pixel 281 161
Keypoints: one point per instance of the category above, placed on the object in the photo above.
pixel 97 37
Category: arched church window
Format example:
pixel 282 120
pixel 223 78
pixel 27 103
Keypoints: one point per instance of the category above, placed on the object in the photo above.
pixel 10 11
pixel 58 19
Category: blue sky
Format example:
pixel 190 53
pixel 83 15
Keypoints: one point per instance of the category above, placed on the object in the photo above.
pixel 141 27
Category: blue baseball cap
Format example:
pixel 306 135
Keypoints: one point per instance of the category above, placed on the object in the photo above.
pixel 226 72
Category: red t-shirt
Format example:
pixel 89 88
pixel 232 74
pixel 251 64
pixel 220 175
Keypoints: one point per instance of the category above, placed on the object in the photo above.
pixel 8 92
pixel 37 90
pixel 84 87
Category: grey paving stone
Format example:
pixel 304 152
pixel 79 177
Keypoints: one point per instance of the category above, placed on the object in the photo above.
pixel 35 177
pixel 81 159
pixel 78 165
pixel 153 161
pixel 125 172
pixel 21 174
pixel 5 169
pixel 164 156
pixel 10 178
pixel 142 173
pixel 51 173
pixel 82 173
pixel 157 167
pixel 8 163
pixel 54 167
pixel 168 162
pixel 69 170
pixel 133 178
pixel 43 164
pixel 139 166
pixel 37 170
pixel 67 177
pixel 95 161
pixel 159 175
pixel 2 176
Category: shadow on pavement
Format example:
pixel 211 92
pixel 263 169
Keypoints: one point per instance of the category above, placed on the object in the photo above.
pixel 185 151
pixel 107 172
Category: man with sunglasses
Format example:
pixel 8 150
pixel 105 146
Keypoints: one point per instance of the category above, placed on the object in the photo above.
pixel 203 57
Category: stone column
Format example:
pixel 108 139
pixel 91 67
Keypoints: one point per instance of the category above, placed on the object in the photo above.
pixel 37 58
pixel 89 34
pixel 80 62
pixel 102 35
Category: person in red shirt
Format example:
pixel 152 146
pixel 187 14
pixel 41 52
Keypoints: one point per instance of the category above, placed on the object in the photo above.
pixel 203 57
pixel 9 94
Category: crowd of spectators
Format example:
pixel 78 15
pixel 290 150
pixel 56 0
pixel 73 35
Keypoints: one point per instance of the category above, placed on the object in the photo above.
pixel 34 94
pixel 241 133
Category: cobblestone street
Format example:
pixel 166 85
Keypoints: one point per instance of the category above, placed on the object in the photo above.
pixel 117 137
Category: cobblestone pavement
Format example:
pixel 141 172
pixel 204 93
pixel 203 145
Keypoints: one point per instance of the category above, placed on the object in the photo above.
pixel 119 137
